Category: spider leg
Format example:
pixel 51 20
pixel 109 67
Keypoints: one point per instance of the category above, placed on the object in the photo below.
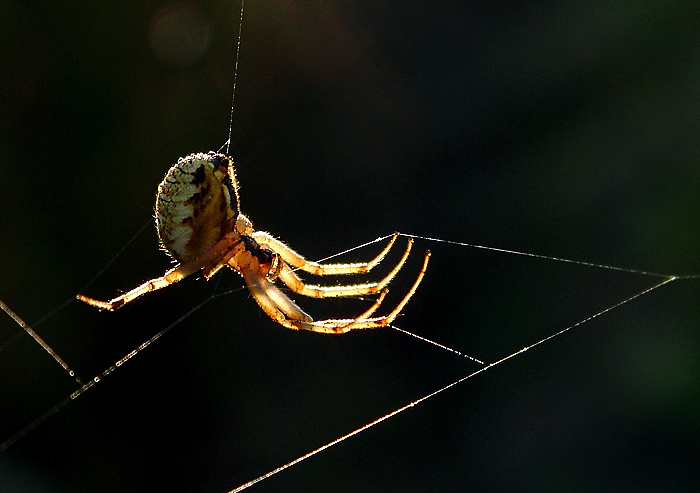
pixel 363 321
pixel 289 277
pixel 298 262
pixel 274 302
pixel 277 306
pixel 227 247
pixel 271 300
pixel 170 277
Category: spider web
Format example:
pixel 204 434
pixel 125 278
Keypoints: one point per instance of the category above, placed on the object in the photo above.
pixel 578 148
pixel 658 280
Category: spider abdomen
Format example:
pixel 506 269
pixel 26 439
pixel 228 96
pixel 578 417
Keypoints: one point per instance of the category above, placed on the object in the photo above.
pixel 196 205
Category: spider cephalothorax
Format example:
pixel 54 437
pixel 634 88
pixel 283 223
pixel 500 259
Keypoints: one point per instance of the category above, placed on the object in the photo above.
pixel 201 226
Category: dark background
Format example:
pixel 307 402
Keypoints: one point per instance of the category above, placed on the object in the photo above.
pixel 555 128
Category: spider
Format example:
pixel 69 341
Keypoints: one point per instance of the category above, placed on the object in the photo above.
pixel 199 222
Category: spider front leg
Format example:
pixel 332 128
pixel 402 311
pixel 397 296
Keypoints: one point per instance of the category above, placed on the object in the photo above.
pixel 339 326
pixel 298 262
pixel 292 261
pixel 285 312
pixel 288 276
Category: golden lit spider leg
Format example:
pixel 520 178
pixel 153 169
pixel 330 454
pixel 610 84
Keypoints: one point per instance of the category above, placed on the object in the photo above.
pixel 229 246
pixel 274 303
pixel 298 262
pixel 294 283
pixel 363 321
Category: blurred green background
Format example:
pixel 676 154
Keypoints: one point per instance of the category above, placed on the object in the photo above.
pixel 554 128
